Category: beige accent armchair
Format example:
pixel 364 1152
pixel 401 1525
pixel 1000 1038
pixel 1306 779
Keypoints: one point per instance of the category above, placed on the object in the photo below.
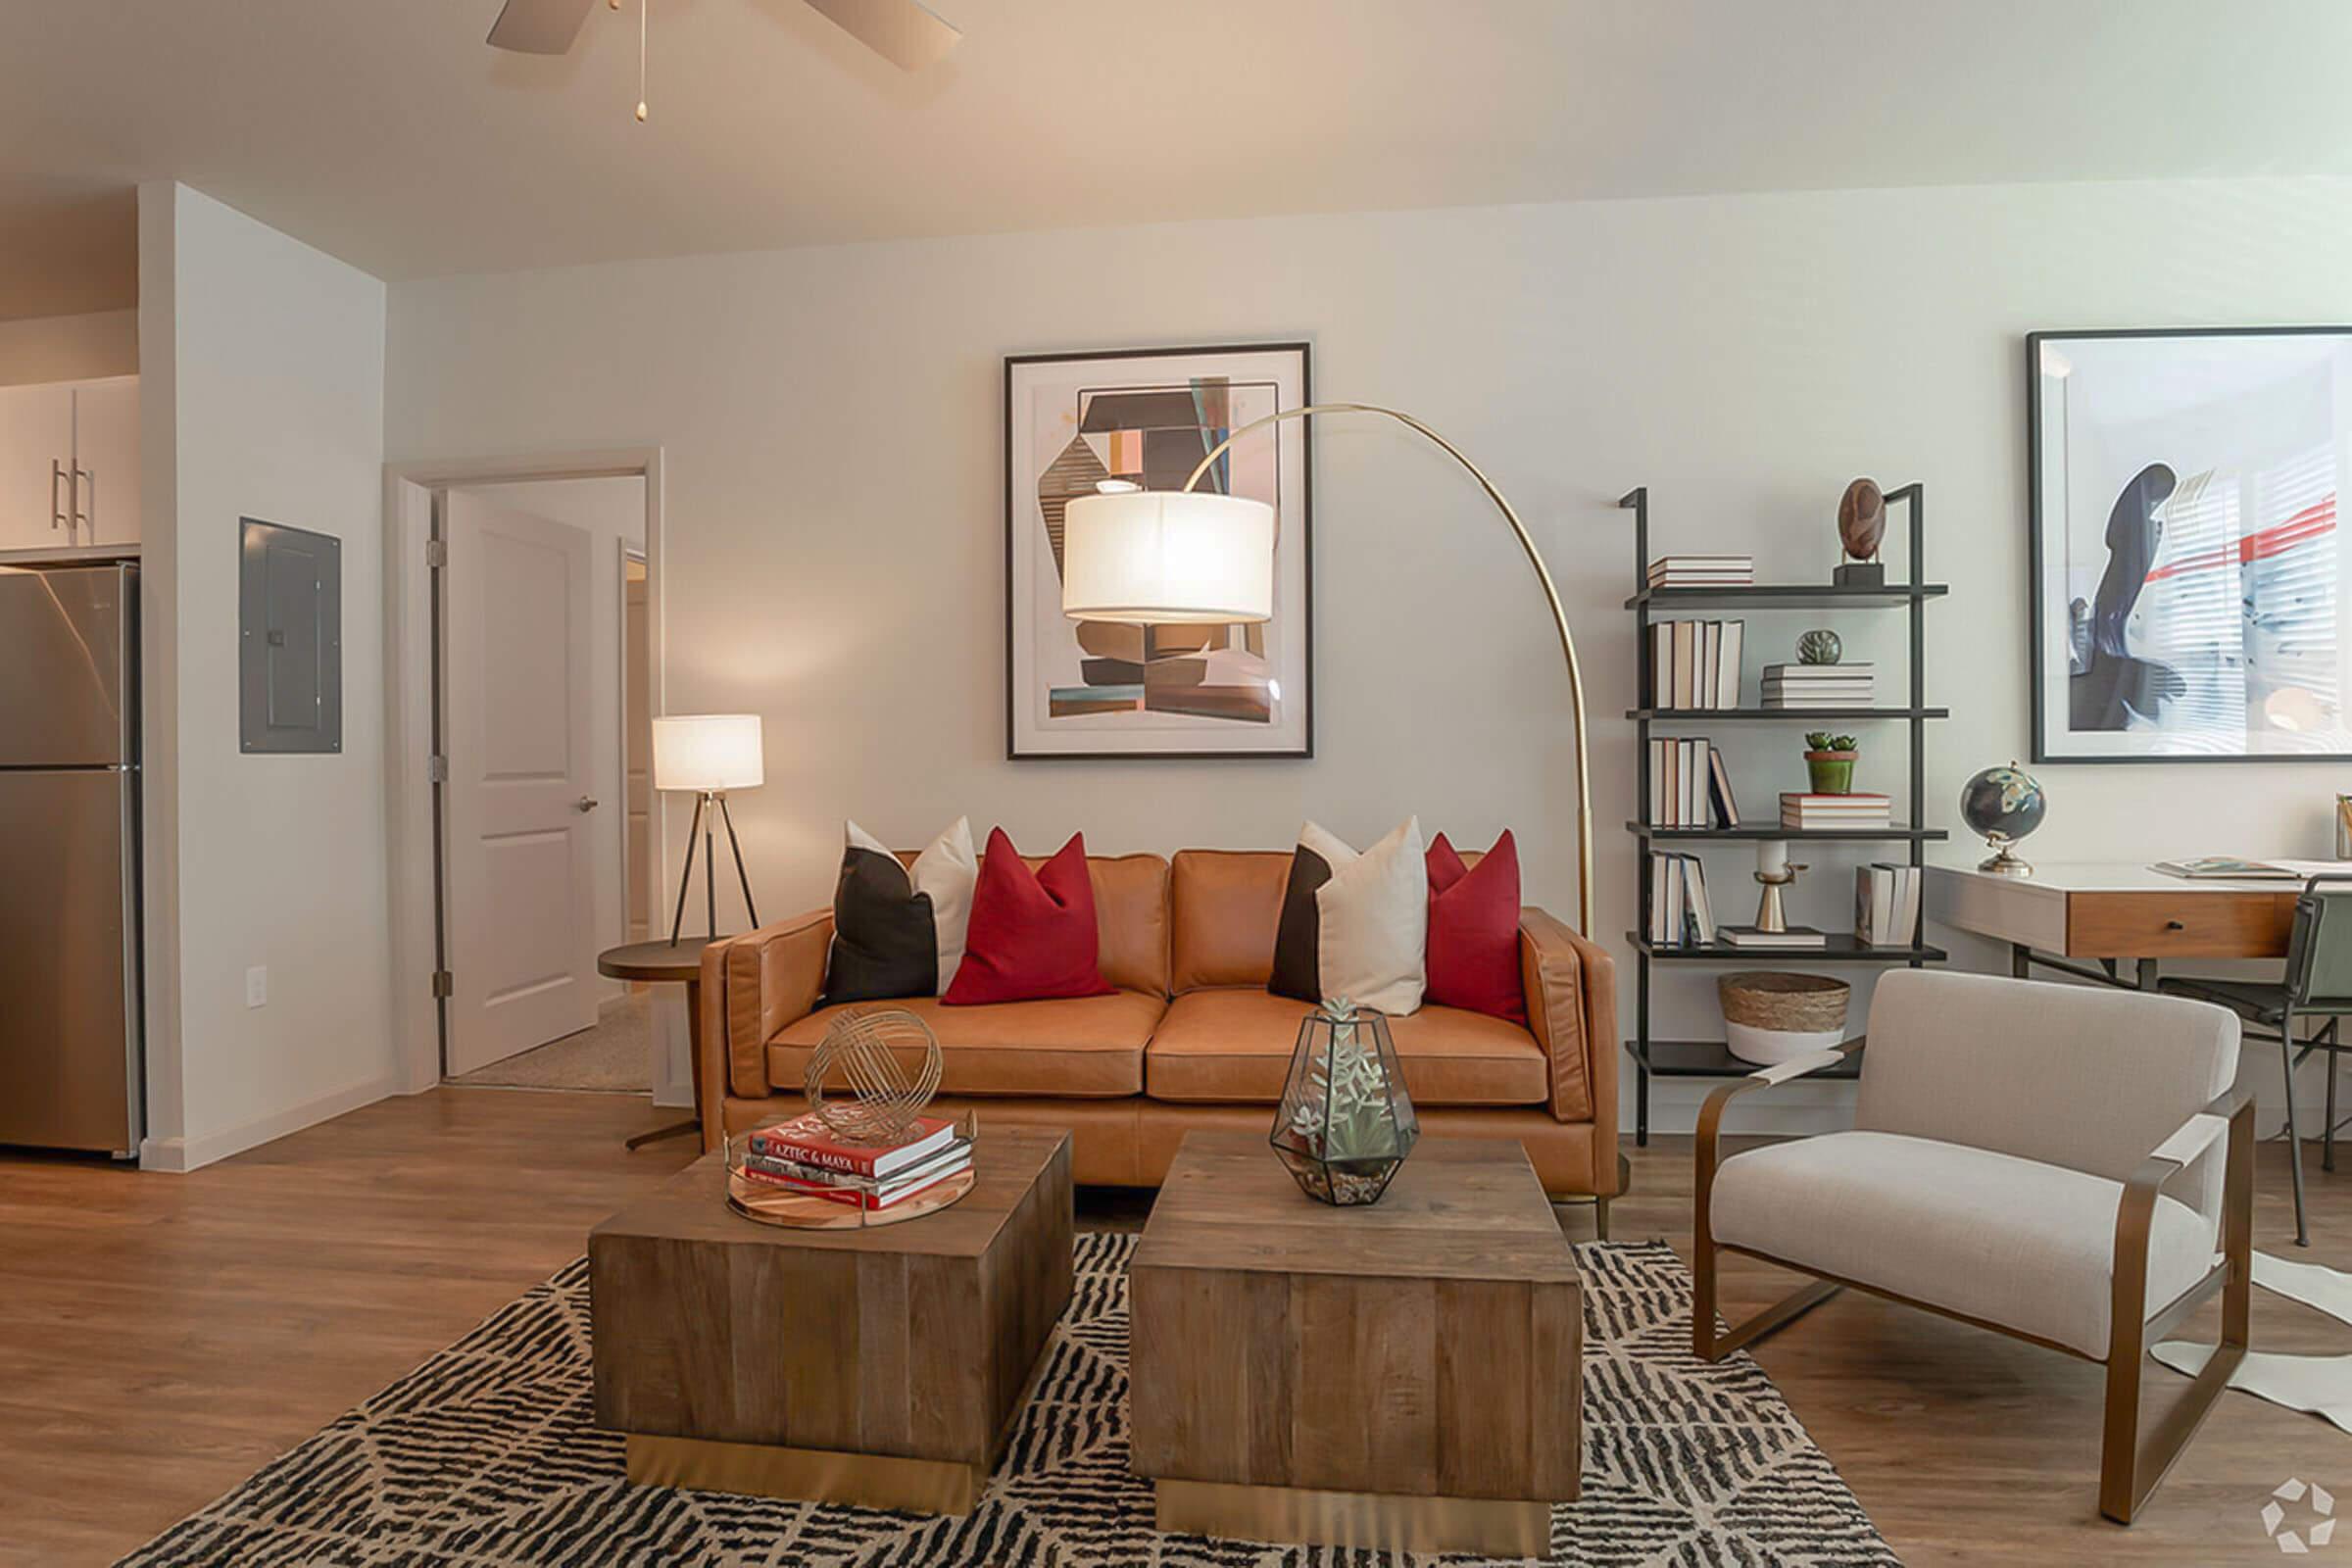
pixel 2033 1158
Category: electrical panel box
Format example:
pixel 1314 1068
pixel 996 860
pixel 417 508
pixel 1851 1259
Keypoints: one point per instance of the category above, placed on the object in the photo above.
pixel 289 639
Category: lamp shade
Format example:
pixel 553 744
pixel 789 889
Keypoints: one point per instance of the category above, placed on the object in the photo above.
pixel 1168 557
pixel 708 752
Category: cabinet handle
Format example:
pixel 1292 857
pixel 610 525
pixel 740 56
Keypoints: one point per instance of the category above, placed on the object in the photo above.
pixel 85 493
pixel 2174 925
pixel 57 471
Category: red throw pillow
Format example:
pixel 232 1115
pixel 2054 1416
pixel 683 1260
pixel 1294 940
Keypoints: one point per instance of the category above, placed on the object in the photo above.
pixel 1474 930
pixel 1031 934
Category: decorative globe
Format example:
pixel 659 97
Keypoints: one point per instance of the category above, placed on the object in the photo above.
pixel 2001 805
pixel 1819 647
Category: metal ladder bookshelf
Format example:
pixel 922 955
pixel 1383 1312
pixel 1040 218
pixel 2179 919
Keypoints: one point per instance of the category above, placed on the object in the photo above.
pixel 1711 1058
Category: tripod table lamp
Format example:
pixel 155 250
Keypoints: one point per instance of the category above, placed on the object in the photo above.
pixel 709 753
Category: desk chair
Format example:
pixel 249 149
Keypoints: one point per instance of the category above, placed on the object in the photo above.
pixel 2318 983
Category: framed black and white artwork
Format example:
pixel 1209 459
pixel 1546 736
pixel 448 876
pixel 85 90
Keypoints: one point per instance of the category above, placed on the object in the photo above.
pixel 1147 418
pixel 2189 578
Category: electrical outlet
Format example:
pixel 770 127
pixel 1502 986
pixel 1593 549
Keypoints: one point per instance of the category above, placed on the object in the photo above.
pixel 257 986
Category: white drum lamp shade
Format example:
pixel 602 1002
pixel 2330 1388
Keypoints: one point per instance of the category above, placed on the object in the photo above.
pixel 1168 557
pixel 708 753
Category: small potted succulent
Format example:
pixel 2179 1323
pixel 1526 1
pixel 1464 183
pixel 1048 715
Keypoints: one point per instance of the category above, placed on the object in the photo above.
pixel 1830 760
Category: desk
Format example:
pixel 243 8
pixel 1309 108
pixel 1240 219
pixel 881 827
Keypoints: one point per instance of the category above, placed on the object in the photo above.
pixel 2071 916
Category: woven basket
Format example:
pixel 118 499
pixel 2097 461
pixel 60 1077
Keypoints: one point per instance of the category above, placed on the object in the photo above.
pixel 1790 1004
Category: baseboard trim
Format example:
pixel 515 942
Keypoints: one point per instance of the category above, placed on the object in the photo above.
pixel 180 1155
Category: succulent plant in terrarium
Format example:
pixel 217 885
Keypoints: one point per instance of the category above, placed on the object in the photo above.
pixel 1346 1123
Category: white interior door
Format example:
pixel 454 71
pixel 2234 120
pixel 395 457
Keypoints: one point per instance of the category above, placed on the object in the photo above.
pixel 519 853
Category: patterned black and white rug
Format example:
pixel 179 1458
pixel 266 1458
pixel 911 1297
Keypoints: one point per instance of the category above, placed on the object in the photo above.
pixel 487 1457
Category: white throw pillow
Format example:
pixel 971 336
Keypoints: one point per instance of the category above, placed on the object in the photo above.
pixel 1373 918
pixel 949 871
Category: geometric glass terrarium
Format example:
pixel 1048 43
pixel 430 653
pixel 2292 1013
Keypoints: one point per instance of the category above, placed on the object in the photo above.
pixel 1346 1123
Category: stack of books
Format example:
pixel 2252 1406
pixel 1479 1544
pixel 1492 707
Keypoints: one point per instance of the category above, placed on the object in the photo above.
pixel 1886 905
pixel 1687 778
pixel 1694 663
pixel 1702 571
pixel 804 1155
pixel 1803 686
pixel 1859 811
pixel 1678 912
pixel 1796 937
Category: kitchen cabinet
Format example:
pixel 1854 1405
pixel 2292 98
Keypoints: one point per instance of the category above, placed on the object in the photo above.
pixel 106 450
pixel 69 464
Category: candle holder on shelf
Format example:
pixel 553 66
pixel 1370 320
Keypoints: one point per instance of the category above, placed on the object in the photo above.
pixel 1775 871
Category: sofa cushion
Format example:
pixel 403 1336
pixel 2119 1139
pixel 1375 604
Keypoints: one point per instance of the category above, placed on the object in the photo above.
pixel 1988 1235
pixel 1224 909
pixel 1080 1048
pixel 1235 1046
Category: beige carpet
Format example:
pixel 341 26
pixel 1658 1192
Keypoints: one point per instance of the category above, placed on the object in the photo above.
pixel 614 1056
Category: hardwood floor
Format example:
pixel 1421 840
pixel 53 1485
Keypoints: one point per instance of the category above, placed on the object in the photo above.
pixel 161 1336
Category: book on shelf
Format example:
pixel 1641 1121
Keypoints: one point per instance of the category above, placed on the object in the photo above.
pixel 1679 911
pixel 1794 937
pixel 805 1140
pixel 1688 786
pixel 1886 905
pixel 1696 663
pixel 1837 810
pixel 1702 571
pixel 1727 806
pixel 868 1192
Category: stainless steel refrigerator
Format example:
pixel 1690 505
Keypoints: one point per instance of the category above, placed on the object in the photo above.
pixel 71 1073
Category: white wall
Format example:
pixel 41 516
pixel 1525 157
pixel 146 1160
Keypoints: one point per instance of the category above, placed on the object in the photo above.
pixel 613 513
pixel 68 348
pixel 834 539
pixel 264 399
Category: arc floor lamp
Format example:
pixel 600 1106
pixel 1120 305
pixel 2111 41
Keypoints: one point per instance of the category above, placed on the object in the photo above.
pixel 1188 556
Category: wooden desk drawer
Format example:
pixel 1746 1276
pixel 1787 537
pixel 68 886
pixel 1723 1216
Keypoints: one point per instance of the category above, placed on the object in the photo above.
pixel 2192 923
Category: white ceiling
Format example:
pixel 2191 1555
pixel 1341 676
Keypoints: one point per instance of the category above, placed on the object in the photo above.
pixel 385 132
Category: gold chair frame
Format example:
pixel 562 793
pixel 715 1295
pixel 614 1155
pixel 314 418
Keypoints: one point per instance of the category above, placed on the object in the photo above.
pixel 2129 1470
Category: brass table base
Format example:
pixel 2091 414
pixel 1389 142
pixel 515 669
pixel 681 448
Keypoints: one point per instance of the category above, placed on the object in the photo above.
pixel 805 1475
pixel 1368 1520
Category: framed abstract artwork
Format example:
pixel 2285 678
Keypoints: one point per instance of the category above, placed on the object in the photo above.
pixel 2188 597
pixel 1148 417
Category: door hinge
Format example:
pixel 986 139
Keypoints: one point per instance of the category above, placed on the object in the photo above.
pixel 436 554
pixel 436 769
pixel 444 983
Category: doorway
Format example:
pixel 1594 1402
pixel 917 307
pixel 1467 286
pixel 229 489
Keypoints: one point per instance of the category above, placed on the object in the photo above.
pixel 543 684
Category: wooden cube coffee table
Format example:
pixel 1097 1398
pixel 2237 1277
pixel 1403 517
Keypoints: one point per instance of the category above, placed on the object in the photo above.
pixel 881 1368
pixel 1403 1376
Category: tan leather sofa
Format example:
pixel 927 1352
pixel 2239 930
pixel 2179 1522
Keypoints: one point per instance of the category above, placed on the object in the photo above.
pixel 1191 1038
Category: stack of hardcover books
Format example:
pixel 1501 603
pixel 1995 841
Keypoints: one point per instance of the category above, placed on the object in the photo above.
pixel 804 1155
pixel 1855 811
pixel 1803 686
pixel 1702 571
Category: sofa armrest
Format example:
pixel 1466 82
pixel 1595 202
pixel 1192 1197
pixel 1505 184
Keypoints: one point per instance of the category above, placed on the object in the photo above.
pixel 753 985
pixel 1571 987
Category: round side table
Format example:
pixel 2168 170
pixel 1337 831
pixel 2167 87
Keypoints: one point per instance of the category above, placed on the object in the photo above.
pixel 661 962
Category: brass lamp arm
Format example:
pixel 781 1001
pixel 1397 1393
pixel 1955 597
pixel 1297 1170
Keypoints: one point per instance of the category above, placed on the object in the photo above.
pixel 1552 596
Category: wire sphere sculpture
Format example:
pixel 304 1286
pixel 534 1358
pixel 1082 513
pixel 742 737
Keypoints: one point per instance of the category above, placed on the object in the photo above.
pixel 865 1055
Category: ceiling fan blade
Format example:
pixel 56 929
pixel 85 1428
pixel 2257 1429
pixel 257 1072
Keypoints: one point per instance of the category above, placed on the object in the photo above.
pixel 905 33
pixel 539 26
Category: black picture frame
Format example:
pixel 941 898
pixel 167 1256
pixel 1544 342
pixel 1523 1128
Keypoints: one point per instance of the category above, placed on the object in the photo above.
pixel 2038 612
pixel 1015 518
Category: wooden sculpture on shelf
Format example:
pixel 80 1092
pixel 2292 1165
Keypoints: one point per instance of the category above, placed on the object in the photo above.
pixel 1861 525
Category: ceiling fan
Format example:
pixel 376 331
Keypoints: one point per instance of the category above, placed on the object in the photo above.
pixel 906 32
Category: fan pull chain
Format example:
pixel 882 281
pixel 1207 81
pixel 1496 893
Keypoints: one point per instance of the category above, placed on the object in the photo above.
pixel 640 10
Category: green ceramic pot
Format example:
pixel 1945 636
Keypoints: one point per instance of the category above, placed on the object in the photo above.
pixel 1832 773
